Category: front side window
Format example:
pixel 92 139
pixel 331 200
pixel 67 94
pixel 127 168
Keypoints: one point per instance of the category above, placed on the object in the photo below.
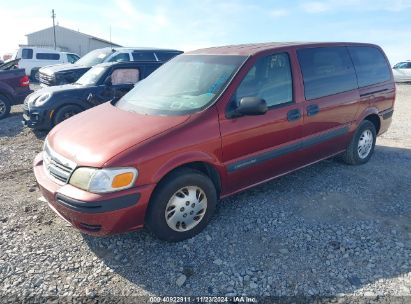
pixel 370 64
pixel 72 58
pixel 47 56
pixel 125 76
pixel 92 76
pixel 26 53
pixel 120 57
pixel 326 71
pixel 186 84
pixel 270 79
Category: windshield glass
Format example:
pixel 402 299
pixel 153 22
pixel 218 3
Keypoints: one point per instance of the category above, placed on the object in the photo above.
pixel 94 57
pixel 400 65
pixel 92 76
pixel 186 84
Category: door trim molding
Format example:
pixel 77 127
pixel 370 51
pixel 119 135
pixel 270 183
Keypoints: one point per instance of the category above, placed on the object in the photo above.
pixel 294 147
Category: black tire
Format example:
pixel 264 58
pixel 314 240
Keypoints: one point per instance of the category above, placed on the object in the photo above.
pixel 65 112
pixel 352 155
pixel 156 219
pixel 5 107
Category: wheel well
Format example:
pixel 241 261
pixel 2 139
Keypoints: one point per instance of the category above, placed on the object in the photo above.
pixel 6 95
pixel 375 119
pixel 62 106
pixel 206 169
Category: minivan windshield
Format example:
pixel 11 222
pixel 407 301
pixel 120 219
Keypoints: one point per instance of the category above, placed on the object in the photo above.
pixel 92 76
pixel 184 85
pixel 95 57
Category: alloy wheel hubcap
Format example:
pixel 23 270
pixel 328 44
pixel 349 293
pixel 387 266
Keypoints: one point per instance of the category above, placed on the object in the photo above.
pixel 186 208
pixel 365 144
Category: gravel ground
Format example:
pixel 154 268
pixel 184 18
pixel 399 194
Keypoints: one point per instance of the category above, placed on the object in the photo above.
pixel 326 230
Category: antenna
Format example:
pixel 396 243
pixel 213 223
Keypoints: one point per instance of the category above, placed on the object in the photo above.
pixel 53 15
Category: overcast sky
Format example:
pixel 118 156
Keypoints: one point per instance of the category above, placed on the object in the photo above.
pixel 191 24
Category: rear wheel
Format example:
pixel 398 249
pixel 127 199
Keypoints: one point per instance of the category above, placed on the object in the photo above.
pixel 66 112
pixel 362 144
pixel 5 107
pixel 181 206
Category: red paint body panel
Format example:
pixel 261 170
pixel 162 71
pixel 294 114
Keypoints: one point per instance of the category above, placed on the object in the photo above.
pixel 108 137
pixel 93 137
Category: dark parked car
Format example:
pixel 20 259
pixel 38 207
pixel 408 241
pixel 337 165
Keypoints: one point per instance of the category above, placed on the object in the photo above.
pixel 14 86
pixel 209 124
pixel 49 106
pixel 68 73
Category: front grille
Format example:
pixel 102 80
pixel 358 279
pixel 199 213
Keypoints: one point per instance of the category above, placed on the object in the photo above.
pixel 56 165
pixel 47 79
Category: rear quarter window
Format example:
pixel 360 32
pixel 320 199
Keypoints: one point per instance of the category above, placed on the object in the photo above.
pixel 48 56
pixel 143 56
pixel 326 71
pixel 370 65
pixel 165 56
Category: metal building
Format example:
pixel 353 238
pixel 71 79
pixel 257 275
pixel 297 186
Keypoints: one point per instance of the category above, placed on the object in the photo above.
pixel 67 40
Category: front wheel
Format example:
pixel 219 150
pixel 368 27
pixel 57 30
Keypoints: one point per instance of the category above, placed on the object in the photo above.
pixel 362 144
pixel 65 113
pixel 181 206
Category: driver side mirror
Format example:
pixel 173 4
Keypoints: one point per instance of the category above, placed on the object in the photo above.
pixel 252 106
pixel 108 82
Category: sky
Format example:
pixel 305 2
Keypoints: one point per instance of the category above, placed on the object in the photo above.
pixel 193 24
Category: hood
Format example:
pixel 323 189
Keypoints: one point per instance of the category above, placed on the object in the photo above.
pixel 67 88
pixel 61 68
pixel 93 137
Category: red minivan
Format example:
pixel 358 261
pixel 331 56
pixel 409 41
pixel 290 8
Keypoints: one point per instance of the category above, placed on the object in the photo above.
pixel 211 123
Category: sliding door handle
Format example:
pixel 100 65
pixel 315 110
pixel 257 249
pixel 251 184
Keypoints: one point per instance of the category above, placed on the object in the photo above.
pixel 293 115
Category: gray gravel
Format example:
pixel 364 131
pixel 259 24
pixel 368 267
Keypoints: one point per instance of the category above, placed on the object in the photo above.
pixel 329 229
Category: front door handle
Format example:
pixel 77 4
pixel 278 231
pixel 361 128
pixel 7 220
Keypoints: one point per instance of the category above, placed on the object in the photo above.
pixel 293 115
pixel 313 110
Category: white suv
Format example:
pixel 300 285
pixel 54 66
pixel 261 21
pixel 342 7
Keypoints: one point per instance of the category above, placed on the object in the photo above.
pixel 33 58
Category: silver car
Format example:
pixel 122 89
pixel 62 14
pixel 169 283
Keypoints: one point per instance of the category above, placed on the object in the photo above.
pixel 402 71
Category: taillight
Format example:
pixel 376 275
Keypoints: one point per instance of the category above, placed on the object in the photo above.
pixel 24 81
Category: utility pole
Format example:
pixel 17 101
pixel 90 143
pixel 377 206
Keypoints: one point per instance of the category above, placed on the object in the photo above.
pixel 111 44
pixel 53 15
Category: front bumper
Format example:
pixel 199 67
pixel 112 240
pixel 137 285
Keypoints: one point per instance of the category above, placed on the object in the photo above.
pixel 95 214
pixel 37 118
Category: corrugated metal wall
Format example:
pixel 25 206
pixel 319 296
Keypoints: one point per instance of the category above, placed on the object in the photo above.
pixel 67 40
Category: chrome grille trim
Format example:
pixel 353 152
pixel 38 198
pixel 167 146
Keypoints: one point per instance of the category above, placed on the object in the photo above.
pixel 46 79
pixel 57 166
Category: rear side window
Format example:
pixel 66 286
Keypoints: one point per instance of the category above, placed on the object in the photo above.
pixel 143 56
pixel 326 71
pixel 165 56
pixel 370 65
pixel 26 54
pixel 48 56
pixel 120 57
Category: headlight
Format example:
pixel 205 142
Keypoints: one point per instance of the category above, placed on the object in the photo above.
pixel 39 101
pixel 103 180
